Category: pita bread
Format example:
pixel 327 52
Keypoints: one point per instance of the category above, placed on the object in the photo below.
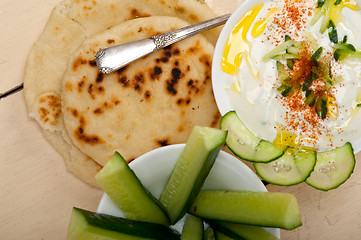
pixel 85 169
pixel 152 102
pixel 68 26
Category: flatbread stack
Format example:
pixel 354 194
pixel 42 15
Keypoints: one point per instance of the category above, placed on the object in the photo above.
pixel 155 101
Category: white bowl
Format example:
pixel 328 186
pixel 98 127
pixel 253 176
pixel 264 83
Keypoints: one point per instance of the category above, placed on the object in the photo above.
pixel 222 81
pixel 154 168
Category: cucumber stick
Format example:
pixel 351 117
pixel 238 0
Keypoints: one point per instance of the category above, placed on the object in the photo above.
pixel 123 187
pixel 241 231
pixel 266 209
pixel 191 170
pixel 332 168
pixel 295 166
pixel 96 226
pixel 242 142
pixel 192 228
pixel 209 234
pixel 221 236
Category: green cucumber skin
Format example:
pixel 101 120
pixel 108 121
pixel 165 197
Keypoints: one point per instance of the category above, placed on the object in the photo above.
pixel 96 226
pixel 264 209
pixel 241 232
pixel 312 183
pixel 197 185
pixel 233 147
pixel 154 212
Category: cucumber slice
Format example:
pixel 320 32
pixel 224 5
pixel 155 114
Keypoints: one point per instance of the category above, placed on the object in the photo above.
pixel 191 170
pixel 332 168
pixel 294 167
pixel 123 187
pixel 96 226
pixel 242 142
pixel 279 49
pixel 240 231
pixel 266 209
pixel 282 73
pixel 192 228
pixel 286 56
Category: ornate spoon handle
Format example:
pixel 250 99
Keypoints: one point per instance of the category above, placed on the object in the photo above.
pixel 111 59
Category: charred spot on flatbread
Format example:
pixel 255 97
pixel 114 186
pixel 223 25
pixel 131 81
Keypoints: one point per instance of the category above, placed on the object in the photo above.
pixel 155 72
pixel 135 13
pixel 171 84
pixel 82 135
pixel 162 142
pixel 49 110
pixel 78 62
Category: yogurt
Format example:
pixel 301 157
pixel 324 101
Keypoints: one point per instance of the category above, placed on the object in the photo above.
pixel 251 84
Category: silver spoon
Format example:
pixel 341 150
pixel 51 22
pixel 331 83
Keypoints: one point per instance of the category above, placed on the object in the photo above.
pixel 111 59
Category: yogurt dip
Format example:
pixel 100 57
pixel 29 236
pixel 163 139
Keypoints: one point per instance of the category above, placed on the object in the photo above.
pixel 312 99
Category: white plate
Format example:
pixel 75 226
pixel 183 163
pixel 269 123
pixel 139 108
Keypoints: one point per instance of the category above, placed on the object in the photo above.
pixel 154 168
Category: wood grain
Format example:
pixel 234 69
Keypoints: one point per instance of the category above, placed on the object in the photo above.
pixel 37 193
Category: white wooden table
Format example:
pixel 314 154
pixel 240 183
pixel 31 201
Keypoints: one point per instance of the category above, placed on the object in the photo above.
pixel 37 193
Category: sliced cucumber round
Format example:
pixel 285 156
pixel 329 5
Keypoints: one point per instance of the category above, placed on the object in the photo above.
pixel 242 142
pixel 293 167
pixel 332 168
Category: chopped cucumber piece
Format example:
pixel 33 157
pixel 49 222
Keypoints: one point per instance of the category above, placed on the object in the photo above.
pixel 332 168
pixel 96 226
pixel 327 15
pixel 282 73
pixel 123 187
pixel 242 142
pixel 293 167
pixel 318 14
pixel 279 49
pixel 266 209
pixel 285 90
pixel 286 56
pixel 332 32
pixel 241 231
pixel 191 170
pixel 310 98
pixel 296 51
pixel 192 228
pixel 316 55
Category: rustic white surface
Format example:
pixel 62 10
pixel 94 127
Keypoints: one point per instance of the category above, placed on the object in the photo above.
pixel 37 193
